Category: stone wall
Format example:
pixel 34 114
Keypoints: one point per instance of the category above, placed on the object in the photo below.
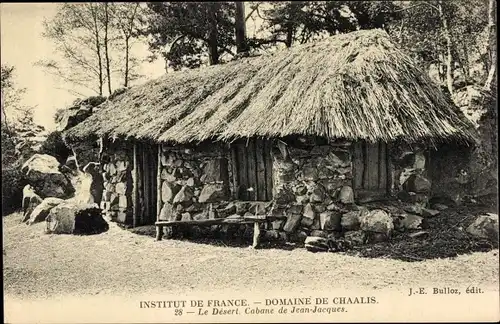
pixel 117 166
pixel 194 182
pixel 311 184
pixel 411 180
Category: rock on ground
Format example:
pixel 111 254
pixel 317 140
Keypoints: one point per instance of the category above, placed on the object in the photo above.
pixel 351 221
pixel 377 221
pixel 30 201
pixel 409 222
pixel 485 226
pixel 317 244
pixel 75 218
pixel 42 172
pixel 41 211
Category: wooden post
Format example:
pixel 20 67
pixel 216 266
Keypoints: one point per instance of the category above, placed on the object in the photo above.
pixel 256 235
pixel 391 177
pixel 135 196
pixel 256 231
pixel 159 232
pixel 234 169
pixel 146 186
pixel 159 229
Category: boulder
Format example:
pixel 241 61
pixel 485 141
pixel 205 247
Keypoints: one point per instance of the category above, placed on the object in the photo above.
pixel 485 226
pixel 330 220
pixel 30 201
pixel 41 211
pixel 72 116
pixel 42 172
pixel 409 222
pixel 75 218
pixel 317 244
pixel 309 215
pixel 417 183
pixel 377 221
pixel 346 195
pixel 168 191
pixel 213 192
pixel 355 237
pixel 352 220
pixel 292 222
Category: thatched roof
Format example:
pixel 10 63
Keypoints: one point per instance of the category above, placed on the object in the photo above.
pixel 355 86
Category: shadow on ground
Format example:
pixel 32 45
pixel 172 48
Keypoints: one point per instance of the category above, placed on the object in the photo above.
pixel 446 237
pixel 216 239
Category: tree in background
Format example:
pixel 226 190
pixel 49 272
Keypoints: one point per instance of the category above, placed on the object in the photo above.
pixel 91 38
pixel 128 21
pixel 187 34
pixel 18 132
pixel 448 35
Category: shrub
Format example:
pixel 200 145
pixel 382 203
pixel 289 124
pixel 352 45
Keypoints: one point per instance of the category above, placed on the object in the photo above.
pixel 12 178
pixel 13 182
pixel 54 145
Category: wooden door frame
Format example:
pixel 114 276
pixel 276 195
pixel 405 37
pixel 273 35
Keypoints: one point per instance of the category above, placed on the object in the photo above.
pixel 358 165
pixel 141 177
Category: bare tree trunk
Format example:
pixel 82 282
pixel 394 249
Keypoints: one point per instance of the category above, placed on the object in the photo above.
pixel 127 53
pixel 128 34
pixel 240 27
pixel 212 37
pixel 449 57
pixel 98 48
pixel 492 44
pixel 106 45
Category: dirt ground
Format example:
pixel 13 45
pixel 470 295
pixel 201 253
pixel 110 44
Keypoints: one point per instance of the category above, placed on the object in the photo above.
pixel 37 265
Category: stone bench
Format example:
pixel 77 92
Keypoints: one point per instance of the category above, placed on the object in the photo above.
pixel 255 220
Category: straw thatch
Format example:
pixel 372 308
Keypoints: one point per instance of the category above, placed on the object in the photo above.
pixel 355 86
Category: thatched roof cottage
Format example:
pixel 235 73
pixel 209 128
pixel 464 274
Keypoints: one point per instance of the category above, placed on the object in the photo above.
pixel 300 133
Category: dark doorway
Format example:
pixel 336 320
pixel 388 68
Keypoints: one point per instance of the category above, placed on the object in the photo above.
pixel 370 164
pixel 252 169
pixel 147 170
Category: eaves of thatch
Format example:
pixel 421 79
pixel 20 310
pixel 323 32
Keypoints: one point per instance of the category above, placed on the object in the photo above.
pixel 353 86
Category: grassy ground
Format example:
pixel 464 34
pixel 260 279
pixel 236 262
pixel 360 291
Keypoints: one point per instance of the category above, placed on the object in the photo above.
pixel 122 262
